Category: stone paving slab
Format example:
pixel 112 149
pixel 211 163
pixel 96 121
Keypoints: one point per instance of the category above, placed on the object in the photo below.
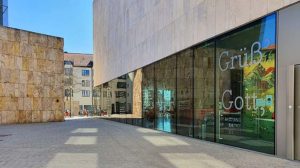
pixel 93 143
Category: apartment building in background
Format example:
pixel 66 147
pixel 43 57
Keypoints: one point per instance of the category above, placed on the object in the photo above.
pixel 78 83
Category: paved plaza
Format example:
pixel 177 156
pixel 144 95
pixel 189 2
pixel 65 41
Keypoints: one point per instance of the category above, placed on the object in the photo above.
pixel 91 143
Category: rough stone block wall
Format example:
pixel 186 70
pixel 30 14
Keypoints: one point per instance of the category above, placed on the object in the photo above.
pixel 31 77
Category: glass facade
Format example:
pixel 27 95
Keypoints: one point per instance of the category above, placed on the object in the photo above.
pixel 148 96
pixel 204 92
pixel 222 90
pixel 165 94
pixel 184 93
pixel 245 86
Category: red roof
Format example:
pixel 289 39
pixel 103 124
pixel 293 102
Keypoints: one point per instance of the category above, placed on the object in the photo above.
pixel 78 59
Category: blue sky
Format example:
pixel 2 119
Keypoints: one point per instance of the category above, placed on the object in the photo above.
pixel 70 19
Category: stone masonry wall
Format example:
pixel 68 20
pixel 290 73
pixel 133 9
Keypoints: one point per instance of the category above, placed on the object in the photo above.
pixel 31 77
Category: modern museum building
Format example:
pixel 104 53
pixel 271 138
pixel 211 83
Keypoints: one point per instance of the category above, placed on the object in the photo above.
pixel 215 70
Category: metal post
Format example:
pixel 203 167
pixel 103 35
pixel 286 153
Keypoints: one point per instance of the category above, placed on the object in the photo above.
pixel 70 102
pixel 92 86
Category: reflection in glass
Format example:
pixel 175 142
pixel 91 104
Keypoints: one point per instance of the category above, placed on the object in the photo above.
pixel 102 99
pixel 204 121
pixel 136 91
pixel 185 93
pixel 129 96
pixel 165 82
pixel 96 100
pixel 245 86
pixel 148 96
pixel 222 90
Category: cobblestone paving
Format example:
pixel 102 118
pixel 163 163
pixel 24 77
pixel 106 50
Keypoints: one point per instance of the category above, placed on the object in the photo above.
pixel 91 143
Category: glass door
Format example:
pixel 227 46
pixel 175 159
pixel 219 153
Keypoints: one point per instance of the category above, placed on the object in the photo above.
pixel 245 86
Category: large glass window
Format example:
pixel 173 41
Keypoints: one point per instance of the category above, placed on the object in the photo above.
pixel 137 98
pixel 165 94
pixel 245 86
pixel 221 91
pixel 204 113
pixel 148 96
pixel 129 91
pixel 185 93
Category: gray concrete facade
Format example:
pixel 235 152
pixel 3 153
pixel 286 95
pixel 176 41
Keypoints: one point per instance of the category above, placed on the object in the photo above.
pixel 130 34
pixel 288 56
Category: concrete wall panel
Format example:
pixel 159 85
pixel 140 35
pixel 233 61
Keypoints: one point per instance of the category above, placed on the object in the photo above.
pixel 130 34
pixel 288 54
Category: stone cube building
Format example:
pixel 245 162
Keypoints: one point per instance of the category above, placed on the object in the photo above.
pixel 31 77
